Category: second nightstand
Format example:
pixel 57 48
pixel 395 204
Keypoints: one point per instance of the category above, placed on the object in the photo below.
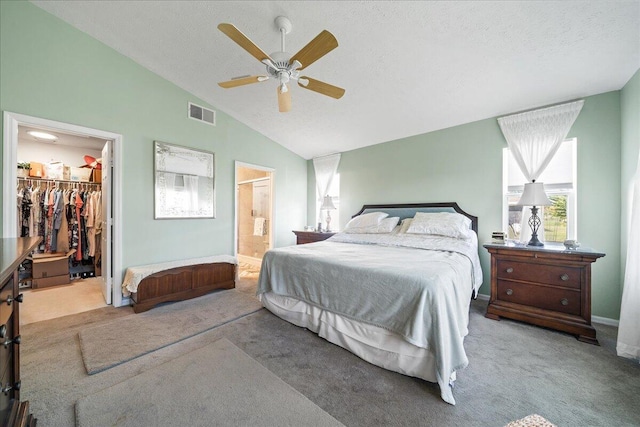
pixel 547 286
pixel 312 236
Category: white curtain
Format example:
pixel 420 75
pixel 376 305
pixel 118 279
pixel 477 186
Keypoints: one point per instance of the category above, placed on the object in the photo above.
pixel 533 137
pixel 325 168
pixel 629 328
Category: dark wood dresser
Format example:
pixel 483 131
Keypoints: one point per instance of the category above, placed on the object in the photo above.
pixel 13 412
pixel 312 236
pixel 547 286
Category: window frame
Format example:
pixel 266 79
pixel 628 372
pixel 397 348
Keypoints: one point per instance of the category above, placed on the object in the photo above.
pixel 551 190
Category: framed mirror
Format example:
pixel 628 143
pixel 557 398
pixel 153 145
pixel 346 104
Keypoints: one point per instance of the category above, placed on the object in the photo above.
pixel 184 182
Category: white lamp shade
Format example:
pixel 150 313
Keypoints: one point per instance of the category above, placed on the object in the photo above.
pixel 327 203
pixel 534 195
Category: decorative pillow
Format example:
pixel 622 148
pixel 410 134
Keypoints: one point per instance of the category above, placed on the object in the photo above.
pixel 442 224
pixel 366 220
pixel 385 226
pixel 404 225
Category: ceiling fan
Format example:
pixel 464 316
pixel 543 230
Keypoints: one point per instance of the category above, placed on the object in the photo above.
pixel 283 67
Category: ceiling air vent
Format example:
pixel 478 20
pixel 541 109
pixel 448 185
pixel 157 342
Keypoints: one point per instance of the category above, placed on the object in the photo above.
pixel 202 114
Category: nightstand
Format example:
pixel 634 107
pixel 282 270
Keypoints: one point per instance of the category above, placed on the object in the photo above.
pixel 548 286
pixel 312 236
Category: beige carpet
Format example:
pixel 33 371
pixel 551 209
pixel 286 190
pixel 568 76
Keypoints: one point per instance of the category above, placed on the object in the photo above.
pixel 217 385
pixel 135 335
pixel 57 301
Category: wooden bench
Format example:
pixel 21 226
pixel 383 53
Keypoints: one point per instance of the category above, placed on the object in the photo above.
pixel 181 283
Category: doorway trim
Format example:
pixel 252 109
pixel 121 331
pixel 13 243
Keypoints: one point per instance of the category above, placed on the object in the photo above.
pixel 239 164
pixel 9 177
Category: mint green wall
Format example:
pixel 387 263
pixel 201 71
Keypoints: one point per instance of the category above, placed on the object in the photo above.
pixel 597 129
pixel 630 106
pixel 464 164
pixel 49 69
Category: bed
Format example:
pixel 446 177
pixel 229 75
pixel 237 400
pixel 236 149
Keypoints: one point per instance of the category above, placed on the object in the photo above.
pixel 396 295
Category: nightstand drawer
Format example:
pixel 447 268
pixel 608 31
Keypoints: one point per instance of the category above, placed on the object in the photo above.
pixel 303 237
pixel 6 309
pixel 546 297
pixel 539 273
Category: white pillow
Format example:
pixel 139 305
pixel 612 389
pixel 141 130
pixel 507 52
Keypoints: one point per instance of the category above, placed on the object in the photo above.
pixel 442 224
pixel 385 226
pixel 366 220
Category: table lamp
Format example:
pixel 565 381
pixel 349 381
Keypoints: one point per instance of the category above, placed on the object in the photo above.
pixel 534 196
pixel 327 204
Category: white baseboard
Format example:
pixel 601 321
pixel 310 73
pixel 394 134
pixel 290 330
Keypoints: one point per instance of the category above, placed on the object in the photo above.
pixel 483 297
pixel 605 321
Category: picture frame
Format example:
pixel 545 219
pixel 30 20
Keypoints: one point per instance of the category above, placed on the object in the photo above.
pixel 184 182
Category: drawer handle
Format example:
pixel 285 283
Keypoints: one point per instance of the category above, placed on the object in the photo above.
pixel 16 340
pixel 509 291
pixel 6 389
pixel 3 331
pixel 565 277
pixel 10 299
pixel 564 301
pixel 509 270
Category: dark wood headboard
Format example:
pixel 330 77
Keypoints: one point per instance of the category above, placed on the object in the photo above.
pixel 408 210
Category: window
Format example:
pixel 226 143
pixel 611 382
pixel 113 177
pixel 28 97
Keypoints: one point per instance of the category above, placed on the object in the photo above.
pixel 559 180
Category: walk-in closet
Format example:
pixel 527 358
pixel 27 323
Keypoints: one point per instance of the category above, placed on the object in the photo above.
pixel 60 198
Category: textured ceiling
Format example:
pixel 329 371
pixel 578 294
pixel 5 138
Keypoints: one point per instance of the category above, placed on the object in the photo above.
pixel 407 67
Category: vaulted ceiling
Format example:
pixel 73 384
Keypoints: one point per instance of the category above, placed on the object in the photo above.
pixel 408 67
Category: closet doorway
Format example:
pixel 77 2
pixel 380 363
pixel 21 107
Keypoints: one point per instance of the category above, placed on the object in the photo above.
pixel 254 216
pixel 61 166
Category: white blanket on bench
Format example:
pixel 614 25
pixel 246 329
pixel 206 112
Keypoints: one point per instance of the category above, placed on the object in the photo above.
pixel 134 275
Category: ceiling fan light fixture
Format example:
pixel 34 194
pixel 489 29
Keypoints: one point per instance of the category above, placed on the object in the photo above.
pixel 283 67
pixel 284 100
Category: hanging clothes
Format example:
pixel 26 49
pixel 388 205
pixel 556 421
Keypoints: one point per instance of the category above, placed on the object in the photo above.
pixel 90 224
pixel 78 204
pixel 33 218
pixel 63 232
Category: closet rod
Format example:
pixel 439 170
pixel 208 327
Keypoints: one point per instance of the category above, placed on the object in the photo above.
pixel 57 180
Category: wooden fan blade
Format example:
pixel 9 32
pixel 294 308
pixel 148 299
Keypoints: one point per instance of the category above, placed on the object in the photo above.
pixel 324 43
pixel 243 41
pixel 241 81
pixel 322 87
pixel 284 101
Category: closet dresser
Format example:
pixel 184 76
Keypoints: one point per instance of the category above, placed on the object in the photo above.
pixel 13 251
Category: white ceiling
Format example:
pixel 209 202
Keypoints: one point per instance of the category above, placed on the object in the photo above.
pixel 64 138
pixel 408 67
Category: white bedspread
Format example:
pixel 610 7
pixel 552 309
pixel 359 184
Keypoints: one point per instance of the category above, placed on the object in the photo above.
pixel 134 275
pixel 416 287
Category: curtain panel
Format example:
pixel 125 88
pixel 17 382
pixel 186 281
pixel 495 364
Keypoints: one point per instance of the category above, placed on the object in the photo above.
pixel 325 169
pixel 628 344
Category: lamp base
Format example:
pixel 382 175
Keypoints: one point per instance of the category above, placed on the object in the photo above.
pixel 534 223
pixel 328 229
pixel 535 242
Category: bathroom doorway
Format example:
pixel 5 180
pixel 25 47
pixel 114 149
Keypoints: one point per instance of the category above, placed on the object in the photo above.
pixel 254 216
